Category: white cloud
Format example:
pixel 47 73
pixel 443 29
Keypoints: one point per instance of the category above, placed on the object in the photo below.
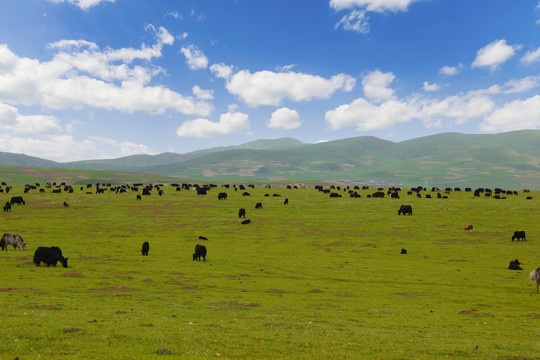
pixel 285 118
pixel 382 109
pixel 356 21
pixel 531 56
pixel 431 87
pixel 372 5
pixel 367 116
pixel 83 4
pixel 195 57
pixel 222 71
pixel 10 119
pixel 64 148
pixel 516 115
pixel 270 88
pixel 450 70
pixel 494 54
pixel 203 94
pixel 229 123
pixel 376 85
pixel 285 68
pixel 80 74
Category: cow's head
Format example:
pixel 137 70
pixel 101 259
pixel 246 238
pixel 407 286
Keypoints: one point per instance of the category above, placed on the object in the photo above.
pixel 23 245
pixel 65 262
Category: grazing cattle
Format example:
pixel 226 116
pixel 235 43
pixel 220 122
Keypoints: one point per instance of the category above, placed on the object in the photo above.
pixel 535 275
pixel 403 251
pixel 242 213
pixel 139 197
pixel 7 207
pixel 200 250
pixel 528 198
pixel 405 209
pixel 66 204
pixel 335 195
pixel 246 194
pixel 286 201
pixel 145 248
pixel 222 196
pixel 15 240
pixel 17 200
pixel 258 205
pixel 50 256
pixel 514 265
pixel 245 222
pixel 519 235
pixel 394 195
pixel 468 228
pixel 202 238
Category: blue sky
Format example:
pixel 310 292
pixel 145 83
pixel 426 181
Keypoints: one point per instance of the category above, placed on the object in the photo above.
pixel 90 79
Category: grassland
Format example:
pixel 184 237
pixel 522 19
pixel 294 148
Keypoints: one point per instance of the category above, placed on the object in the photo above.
pixel 319 278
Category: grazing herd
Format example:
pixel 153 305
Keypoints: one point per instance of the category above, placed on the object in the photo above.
pixel 52 255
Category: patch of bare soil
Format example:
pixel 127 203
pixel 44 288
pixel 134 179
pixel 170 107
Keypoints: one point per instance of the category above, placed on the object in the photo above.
pixel 114 288
pixel 72 274
pixel 466 312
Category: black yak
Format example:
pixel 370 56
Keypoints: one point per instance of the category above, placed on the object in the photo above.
pixel 519 235
pixel 200 250
pixel 145 248
pixel 50 256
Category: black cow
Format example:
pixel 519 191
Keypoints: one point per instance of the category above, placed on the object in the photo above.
pixel 50 256
pixel 222 196
pixel 203 238
pixel 403 251
pixel 7 207
pixel 405 209
pixel 286 201
pixel 242 213
pixel 519 235
pixel 145 248
pixel 200 250
pixel 258 205
pixel 17 200
pixel 245 222
pixel 139 197
pixel 514 265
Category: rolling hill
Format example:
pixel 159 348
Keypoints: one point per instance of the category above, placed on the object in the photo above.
pixel 510 160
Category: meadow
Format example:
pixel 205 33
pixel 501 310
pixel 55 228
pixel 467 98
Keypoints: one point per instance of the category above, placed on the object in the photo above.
pixel 319 278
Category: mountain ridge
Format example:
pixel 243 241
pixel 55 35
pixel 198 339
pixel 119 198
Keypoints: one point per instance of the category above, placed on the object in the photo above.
pixel 511 158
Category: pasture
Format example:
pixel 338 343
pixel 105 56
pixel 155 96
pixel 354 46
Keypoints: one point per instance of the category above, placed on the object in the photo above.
pixel 318 278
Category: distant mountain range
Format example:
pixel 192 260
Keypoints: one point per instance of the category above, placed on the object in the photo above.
pixel 510 160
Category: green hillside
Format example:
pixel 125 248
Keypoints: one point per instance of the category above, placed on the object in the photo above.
pixel 510 160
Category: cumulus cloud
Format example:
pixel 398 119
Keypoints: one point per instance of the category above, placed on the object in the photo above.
pixel 356 21
pixel 516 115
pixel 531 56
pixel 222 71
pixel 285 118
pixel 203 94
pixel 271 88
pixel 83 4
pixel 81 74
pixel 382 109
pixel 431 87
pixel 229 123
pixel 376 84
pixel 61 147
pixel 450 70
pixel 10 119
pixel 195 57
pixel 494 54
pixel 372 5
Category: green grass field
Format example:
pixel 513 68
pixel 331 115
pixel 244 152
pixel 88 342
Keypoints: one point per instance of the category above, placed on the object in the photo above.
pixel 319 278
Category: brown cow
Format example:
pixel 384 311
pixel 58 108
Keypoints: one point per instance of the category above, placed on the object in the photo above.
pixel 468 228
